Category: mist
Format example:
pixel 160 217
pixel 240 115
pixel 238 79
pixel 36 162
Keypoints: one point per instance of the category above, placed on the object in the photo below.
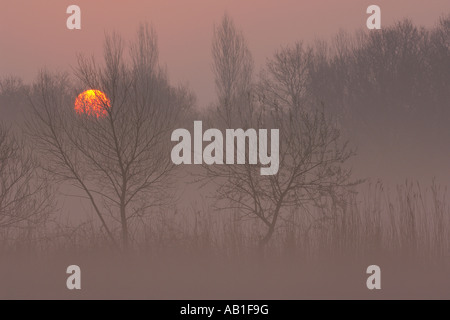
pixel 362 167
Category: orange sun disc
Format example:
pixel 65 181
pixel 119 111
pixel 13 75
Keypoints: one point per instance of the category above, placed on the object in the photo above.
pixel 92 103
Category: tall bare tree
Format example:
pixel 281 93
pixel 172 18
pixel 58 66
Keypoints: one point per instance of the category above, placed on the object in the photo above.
pixel 312 153
pixel 233 70
pixel 121 161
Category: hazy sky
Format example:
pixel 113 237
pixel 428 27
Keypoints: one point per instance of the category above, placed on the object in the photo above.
pixel 33 34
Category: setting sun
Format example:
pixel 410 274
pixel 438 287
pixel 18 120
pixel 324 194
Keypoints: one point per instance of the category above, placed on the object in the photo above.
pixel 92 103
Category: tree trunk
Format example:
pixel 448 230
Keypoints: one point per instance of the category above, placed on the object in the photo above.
pixel 124 223
pixel 263 242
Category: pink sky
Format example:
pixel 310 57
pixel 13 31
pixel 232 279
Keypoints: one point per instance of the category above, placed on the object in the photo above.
pixel 33 34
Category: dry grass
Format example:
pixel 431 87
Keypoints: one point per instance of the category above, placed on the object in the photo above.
pixel 405 222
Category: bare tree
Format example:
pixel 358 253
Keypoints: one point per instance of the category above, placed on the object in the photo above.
pixel 25 194
pixel 233 70
pixel 285 82
pixel 312 153
pixel 121 160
